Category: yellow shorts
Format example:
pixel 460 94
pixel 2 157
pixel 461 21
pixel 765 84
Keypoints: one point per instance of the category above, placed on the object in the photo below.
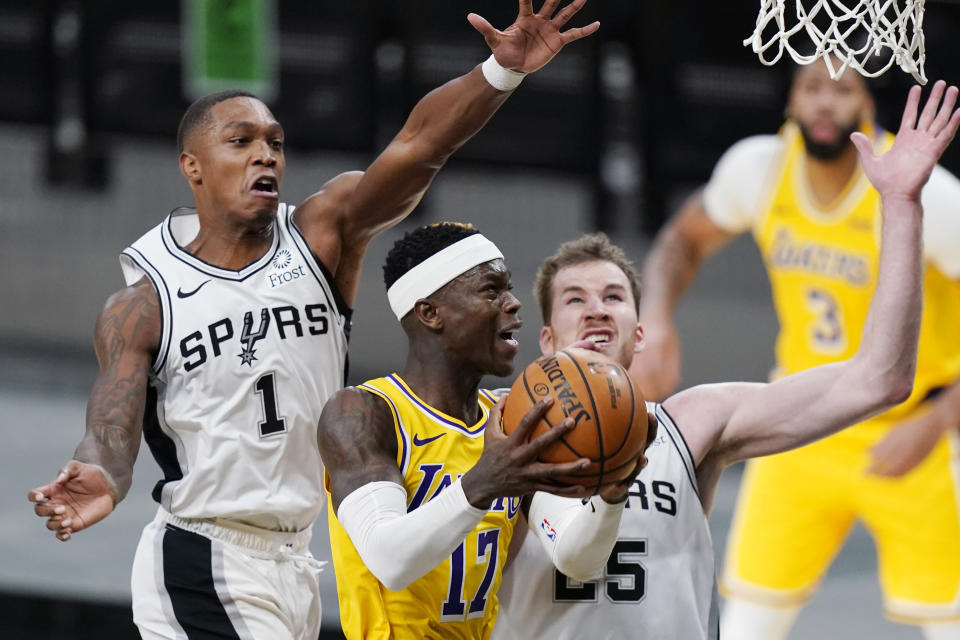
pixel 795 510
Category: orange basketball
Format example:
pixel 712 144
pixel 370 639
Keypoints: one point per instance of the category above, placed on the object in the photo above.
pixel 606 405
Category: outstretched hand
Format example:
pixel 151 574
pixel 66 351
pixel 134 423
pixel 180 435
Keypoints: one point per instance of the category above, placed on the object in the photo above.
pixel 905 167
pixel 78 497
pixel 534 38
pixel 509 465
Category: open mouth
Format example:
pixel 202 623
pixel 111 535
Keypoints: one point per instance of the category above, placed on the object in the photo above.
pixel 507 336
pixel 265 186
pixel 599 337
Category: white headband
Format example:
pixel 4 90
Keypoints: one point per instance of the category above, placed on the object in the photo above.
pixel 438 270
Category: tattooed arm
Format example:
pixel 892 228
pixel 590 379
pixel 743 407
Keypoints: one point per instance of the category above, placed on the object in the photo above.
pixel 358 443
pixel 90 485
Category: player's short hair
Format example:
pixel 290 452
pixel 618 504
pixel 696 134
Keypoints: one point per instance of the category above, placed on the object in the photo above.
pixel 421 243
pixel 590 247
pixel 198 113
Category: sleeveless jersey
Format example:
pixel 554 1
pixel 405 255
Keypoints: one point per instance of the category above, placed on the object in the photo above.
pixel 245 363
pixel 822 264
pixel 660 581
pixel 458 598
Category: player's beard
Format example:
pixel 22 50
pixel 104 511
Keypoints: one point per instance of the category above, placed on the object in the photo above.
pixel 832 149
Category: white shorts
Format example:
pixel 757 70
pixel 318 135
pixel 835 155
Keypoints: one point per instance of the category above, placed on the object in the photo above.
pixel 194 578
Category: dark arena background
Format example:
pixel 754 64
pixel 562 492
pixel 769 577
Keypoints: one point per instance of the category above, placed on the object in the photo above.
pixel 610 136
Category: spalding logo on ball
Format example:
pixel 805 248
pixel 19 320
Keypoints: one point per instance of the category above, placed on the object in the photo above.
pixel 604 403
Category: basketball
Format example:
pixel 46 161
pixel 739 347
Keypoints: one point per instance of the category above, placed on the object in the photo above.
pixel 607 407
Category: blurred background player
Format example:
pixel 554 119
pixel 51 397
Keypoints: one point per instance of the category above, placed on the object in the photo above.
pixel 232 334
pixel 805 197
pixel 424 486
pixel 659 580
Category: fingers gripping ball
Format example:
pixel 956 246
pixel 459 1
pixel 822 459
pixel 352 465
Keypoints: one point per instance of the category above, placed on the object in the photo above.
pixel 606 406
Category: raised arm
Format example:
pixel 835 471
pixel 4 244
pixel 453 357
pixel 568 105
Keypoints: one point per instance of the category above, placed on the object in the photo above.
pixel 730 422
pixel 339 228
pixel 358 446
pixel 89 486
pixel 682 245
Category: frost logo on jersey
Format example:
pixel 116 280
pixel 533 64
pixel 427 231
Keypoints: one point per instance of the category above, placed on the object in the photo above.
pixel 548 530
pixel 248 338
pixel 280 262
pixel 282 259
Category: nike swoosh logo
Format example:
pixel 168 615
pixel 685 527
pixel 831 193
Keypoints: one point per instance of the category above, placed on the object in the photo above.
pixel 181 294
pixel 419 443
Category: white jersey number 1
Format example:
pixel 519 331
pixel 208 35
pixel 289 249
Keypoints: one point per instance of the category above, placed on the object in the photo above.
pixel 267 390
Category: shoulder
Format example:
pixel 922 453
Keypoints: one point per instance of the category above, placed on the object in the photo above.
pixel 941 192
pixel 701 414
pixel 743 176
pixel 356 436
pixel 754 152
pixel 941 221
pixel 327 206
pixel 352 409
pixel 321 218
pixel 133 314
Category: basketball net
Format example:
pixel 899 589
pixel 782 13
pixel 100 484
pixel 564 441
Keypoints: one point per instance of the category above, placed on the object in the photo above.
pixel 868 36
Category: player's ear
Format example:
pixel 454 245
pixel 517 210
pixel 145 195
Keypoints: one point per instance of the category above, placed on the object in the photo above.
pixel 190 167
pixel 547 346
pixel 427 314
pixel 638 345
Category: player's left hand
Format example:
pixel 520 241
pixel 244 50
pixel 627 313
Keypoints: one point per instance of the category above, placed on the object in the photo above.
pixel 906 446
pixel 905 167
pixel 534 38
pixel 80 496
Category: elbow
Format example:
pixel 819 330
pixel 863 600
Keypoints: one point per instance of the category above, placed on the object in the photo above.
pixel 581 574
pixel 390 577
pixel 395 583
pixel 893 390
pixel 578 565
pixel 899 390
pixel 881 385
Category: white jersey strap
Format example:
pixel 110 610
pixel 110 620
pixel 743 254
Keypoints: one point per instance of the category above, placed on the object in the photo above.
pixel 136 265
pixel 674 435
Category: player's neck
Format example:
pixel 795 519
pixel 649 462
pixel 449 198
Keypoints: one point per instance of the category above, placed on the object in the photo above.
pixel 828 179
pixel 443 385
pixel 230 248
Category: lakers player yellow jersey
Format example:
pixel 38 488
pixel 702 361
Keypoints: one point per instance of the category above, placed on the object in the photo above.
pixel 822 262
pixel 457 599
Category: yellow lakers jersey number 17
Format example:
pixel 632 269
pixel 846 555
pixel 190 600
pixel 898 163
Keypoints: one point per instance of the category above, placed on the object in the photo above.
pixel 456 599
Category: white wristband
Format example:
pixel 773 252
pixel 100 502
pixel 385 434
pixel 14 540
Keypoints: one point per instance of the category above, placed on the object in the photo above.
pixel 500 77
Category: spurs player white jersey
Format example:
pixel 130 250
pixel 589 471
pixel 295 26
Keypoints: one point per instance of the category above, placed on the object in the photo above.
pixel 659 583
pixel 247 360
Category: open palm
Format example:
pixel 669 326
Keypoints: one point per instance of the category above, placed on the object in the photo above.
pixel 905 167
pixel 534 38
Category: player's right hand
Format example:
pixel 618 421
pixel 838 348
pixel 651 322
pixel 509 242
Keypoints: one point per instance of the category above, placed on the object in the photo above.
pixel 509 464
pixel 77 498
